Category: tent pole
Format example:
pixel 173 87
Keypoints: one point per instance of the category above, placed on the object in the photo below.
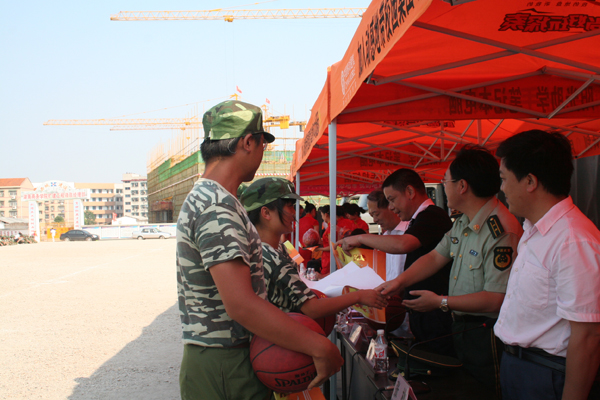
pixel 332 224
pixel 332 187
pixel 297 230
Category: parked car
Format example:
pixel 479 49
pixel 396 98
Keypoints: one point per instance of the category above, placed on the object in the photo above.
pixel 78 234
pixel 150 233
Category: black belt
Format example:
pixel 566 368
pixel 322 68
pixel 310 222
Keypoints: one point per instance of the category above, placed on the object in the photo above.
pixel 537 356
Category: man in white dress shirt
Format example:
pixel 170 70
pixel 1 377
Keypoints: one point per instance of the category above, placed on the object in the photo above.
pixel 550 318
pixel 390 224
pixel 407 196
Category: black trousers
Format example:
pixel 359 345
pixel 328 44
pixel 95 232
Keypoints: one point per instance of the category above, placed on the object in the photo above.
pixel 479 350
pixel 429 325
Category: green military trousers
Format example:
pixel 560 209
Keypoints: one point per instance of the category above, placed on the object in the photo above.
pixel 209 373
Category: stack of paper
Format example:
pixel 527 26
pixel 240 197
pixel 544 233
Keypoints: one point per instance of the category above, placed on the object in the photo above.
pixel 351 275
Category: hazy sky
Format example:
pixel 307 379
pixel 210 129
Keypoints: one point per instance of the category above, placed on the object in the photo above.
pixel 68 60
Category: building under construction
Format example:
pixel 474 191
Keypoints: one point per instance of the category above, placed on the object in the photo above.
pixel 173 168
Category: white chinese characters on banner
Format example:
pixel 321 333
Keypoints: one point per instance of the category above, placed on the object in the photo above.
pixel 34 222
pixel 77 214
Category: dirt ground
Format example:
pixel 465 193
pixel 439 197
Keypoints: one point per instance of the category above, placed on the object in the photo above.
pixel 89 320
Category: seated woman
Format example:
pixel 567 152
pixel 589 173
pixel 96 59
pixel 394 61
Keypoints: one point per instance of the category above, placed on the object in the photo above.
pixel 270 206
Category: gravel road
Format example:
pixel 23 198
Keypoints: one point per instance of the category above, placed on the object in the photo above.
pixel 89 320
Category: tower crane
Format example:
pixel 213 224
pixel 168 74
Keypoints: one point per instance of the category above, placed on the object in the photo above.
pixel 135 123
pixel 194 121
pixel 180 146
pixel 230 15
pixel 121 124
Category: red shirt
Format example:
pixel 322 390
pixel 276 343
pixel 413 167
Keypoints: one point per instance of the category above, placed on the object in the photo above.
pixel 344 227
pixel 360 224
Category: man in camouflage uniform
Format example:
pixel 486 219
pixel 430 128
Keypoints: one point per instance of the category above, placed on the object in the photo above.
pixel 220 282
pixel 284 287
pixel 481 245
pixel 270 206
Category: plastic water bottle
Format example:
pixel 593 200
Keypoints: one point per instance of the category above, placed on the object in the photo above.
pixel 381 357
pixel 342 322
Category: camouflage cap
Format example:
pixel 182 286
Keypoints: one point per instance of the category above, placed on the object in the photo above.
pixel 231 119
pixel 265 190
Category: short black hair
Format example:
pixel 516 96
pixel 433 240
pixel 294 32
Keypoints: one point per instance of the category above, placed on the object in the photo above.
pixel 479 168
pixel 324 210
pixel 402 178
pixel 308 207
pixel 278 205
pixel 378 197
pixel 547 155
pixel 211 149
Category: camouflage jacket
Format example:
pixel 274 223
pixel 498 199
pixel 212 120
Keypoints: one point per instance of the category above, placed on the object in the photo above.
pixel 213 228
pixel 285 289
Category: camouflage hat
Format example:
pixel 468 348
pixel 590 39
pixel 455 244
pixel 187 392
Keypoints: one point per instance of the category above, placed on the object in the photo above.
pixel 231 119
pixel 265 190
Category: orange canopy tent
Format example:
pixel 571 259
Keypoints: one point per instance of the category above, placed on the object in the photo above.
pixel 422 78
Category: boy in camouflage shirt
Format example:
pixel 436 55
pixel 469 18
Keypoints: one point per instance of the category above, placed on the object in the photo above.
pixel 220 274
pixel 270 206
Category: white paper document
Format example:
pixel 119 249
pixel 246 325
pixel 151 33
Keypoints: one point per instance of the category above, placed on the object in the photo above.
pixel 350 275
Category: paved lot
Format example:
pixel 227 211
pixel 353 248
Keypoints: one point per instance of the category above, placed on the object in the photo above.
pixel 89 320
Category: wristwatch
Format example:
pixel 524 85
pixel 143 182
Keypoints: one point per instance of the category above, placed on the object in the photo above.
pixel 444 305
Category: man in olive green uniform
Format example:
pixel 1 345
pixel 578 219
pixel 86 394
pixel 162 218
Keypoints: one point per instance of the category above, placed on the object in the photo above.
pixel 482 245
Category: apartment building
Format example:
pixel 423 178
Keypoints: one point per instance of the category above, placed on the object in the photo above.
pixel 105 201
pixel 10 197
pixel 119 199
pixel 135 196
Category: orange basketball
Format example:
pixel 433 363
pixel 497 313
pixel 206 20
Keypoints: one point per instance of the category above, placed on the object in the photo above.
pixel 283 370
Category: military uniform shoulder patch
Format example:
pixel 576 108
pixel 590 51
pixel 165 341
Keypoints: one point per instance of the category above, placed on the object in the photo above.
pixel 503 257
pixel 454 240
pixel 495 226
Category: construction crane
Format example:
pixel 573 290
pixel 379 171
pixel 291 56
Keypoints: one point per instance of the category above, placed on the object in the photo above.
pixel 136 123
pixel 230 15
pixel 282 122
pixel 121 124
pixel 184 144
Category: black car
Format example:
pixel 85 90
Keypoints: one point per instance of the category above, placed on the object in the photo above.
pixel 77 234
